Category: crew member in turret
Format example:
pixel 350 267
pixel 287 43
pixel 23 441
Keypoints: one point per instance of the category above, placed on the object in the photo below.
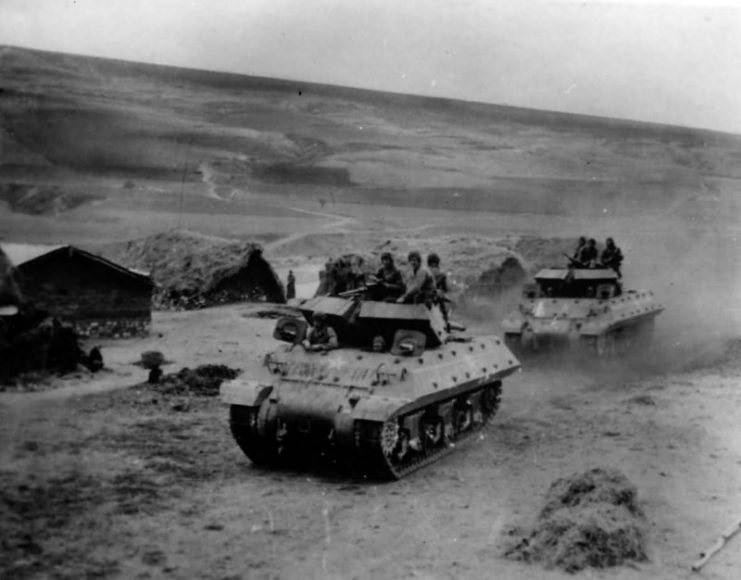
pixel 611 256
pixel 321 337
pixel 588 254
pixel 389 280
pixel 420 287
pixel 580 245
pixel 441 284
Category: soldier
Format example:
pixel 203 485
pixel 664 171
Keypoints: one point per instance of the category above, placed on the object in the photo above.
pixel 378 344
pixel 441 278
pixel 579 246
pixel 420 288
pixel 611 256
pixel 588 254
pixel 389 279
pixel 322 337
pixel 290 286
pixel 441 284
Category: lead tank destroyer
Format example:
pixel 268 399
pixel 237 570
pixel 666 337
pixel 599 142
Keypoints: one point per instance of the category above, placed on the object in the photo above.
pixel 585 309
pixel 386 413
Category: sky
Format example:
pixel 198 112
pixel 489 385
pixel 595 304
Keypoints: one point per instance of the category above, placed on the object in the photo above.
pixel 664 61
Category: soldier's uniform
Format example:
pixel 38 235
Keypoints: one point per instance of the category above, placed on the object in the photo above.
pixel 322 335
pixel 588 255
pixel 420 287
pixel 392 283
pixel 612 257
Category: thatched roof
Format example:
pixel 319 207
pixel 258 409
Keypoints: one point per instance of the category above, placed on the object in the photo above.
pixel 189 263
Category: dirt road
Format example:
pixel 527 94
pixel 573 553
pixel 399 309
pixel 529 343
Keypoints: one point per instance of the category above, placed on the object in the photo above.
pixel 131 483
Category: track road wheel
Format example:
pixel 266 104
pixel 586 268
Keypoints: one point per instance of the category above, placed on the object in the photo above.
pixel 528 341
pixel 462 418
pixel 512 341
pixel 433 429
pixel 490 399
pixel 605 345
pixel 248 428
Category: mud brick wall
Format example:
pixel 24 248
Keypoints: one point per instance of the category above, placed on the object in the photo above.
pixel 98 299
pixel 112 328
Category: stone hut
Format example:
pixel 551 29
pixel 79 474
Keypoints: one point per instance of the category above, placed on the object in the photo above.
pixel 98 297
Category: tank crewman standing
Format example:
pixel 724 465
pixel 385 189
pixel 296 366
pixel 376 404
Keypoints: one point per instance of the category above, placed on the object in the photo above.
pixel 611 256
pixel 389 279
pixel 322 336
pixel 581 244
pixel 420 287
pixel 290 286
pixel 588 254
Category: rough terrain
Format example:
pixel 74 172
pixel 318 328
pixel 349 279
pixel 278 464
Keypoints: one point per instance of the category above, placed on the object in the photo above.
pixel 102 478
pixel 133 483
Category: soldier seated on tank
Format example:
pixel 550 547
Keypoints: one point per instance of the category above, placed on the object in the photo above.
pixel 389 284
pixel 587 255
pixel 420 288
pixel 321 337
pixel 611 256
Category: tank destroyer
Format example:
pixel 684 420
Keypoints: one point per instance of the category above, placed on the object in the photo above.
pixel 584 309
pixel 385 412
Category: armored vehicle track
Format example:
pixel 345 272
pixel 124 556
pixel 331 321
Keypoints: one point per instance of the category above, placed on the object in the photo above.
pixel 383 413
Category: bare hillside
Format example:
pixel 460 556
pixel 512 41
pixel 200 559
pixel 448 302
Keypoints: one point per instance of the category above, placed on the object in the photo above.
pixel 82 129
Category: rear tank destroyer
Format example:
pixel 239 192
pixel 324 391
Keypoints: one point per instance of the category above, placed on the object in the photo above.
pixel 383 412
pixel 583 309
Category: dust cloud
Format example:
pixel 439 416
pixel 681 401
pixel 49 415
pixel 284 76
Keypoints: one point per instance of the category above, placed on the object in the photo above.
pixel 695 273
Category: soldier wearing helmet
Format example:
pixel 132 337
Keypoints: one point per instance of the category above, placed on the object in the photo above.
pixel 389 279
pixel 588 254
pixel 611 256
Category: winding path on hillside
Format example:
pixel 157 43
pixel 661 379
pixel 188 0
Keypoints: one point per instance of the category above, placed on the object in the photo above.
pixel 342 224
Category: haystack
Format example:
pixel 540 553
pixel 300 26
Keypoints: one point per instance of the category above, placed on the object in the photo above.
pixel 203 381
pixel 193 270
pixel 588 520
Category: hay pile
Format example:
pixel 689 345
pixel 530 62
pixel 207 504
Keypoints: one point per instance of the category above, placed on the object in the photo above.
pixel 203 381
pixel 589 520
pixel 34 345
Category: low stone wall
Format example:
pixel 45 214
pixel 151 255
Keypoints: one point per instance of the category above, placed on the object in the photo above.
pixel 112 328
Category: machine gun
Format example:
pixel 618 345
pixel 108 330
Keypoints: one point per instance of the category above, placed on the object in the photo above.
pixel 361 291
pixel 573 262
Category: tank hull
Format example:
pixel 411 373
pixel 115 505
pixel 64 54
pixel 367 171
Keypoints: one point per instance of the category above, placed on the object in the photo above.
pixel 383 415
pixel 606 327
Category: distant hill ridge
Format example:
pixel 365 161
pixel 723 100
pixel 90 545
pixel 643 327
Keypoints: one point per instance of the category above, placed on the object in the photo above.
pixel 79 131
pixel 20 58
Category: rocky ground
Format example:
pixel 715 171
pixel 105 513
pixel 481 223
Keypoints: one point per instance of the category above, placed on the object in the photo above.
pixel 104 478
